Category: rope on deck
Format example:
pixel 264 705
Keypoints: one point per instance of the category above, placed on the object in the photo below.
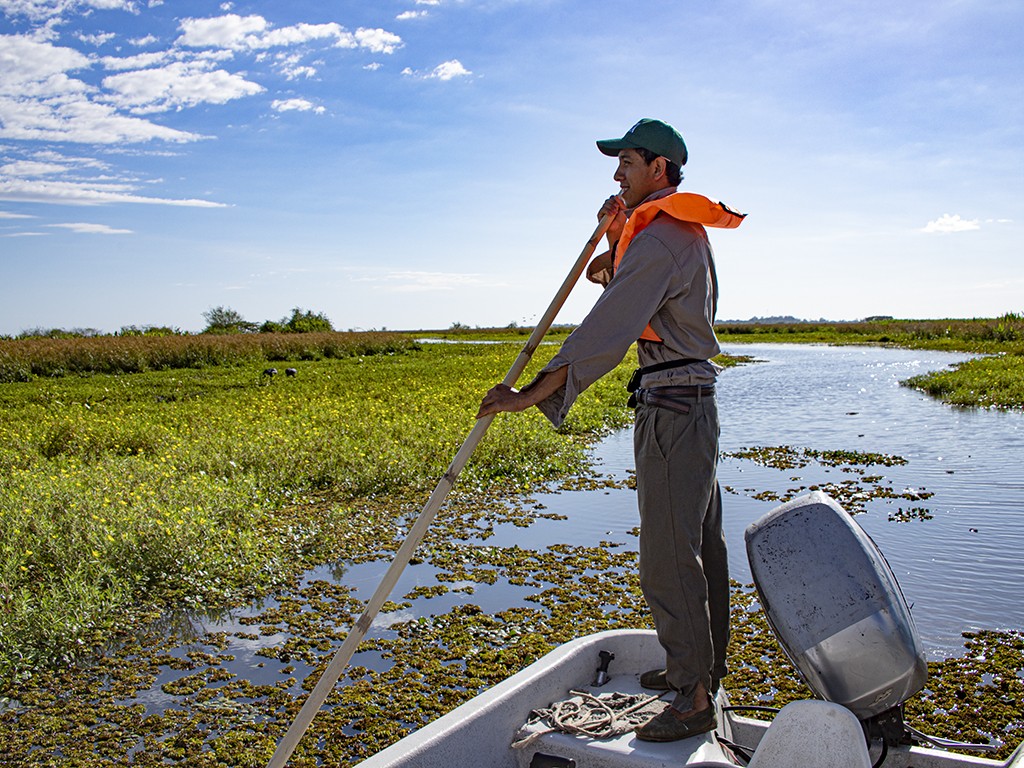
pixel 598 717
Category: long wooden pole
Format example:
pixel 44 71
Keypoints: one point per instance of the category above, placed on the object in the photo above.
pixel 419 529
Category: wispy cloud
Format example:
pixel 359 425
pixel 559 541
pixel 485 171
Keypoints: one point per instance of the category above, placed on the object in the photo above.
pixel 947 223
pixel 176 86
pixel 31 168
pixel 49 92
pixel 86 193
pixel 445 71
pixel 378 40
pixel 253 33
pixel 419 282
pixel 296 105
pixel 138 61
pixel 39 101
pixel 98 39
pixel 83 228
pixel 39 10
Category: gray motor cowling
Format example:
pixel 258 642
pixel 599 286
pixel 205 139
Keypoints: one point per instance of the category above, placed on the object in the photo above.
pixel 835 606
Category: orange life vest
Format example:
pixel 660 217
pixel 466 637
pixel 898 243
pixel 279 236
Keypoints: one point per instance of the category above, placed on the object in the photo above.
pixel 684 206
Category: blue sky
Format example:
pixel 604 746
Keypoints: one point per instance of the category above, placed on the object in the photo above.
pixel 409 164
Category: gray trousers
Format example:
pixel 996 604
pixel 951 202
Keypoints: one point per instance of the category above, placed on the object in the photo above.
pixel 684 566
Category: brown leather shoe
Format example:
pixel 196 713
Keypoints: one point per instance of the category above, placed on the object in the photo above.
pixel 655 680
pixel 669 727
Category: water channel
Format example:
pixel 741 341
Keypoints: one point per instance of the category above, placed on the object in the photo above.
pixel 959 565
pixel 960 570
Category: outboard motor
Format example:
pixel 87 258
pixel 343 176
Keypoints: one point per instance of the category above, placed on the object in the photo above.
pixel 836 608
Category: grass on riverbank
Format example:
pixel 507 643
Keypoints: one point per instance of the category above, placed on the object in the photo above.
pixel 985 382
pixel 981 335
pixel 25 359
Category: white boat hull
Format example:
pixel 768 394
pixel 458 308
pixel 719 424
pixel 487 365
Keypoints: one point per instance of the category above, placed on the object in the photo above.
pixel 480 732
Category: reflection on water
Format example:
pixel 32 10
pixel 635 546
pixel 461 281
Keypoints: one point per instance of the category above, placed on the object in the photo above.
pixel 959 570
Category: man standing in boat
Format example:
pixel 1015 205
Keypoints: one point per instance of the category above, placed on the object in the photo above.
pixel 661 291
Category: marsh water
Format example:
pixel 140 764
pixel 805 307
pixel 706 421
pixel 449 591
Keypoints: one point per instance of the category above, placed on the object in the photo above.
pixel 957 555
pixel 962 568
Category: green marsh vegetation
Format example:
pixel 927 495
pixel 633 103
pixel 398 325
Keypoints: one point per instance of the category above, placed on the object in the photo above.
pixel 125 492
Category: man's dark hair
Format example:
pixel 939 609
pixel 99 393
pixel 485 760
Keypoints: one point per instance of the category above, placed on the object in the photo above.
pixel 673 172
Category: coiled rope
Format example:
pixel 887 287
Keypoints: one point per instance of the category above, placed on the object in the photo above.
pixel 598 717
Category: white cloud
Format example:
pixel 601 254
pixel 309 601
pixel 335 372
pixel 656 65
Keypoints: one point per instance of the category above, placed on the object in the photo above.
pixel 28 62
pixel 98 39
pixel 251 33
pixel 91 229
pixel 229 31
pixel 294 73
pixel 45 9
pixel 449 70
pixel 51 92
pixel 139 61
pixel 378 40
pixel 85 193
pixel 8 215
pixel 68 161
pixel 445 71
pixel 31 168
pixel 177 85
pixel 406 15
pixel 947 223
pixel 296 105
pixel 112 5
pixel 291 67
pixel 33 9
pixel 39 101
pixel 80 121
pixel 297 34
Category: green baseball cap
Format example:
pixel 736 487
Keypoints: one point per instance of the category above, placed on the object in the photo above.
pixel 654 135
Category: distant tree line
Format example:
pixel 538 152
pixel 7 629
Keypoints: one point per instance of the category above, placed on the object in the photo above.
pixel 227 320
pixel 219 320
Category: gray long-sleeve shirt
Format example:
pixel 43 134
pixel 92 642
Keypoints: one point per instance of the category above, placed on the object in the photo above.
pixel 666 278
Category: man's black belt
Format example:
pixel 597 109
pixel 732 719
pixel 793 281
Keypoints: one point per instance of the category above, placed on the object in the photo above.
pixel 634 381
pixel 671 398
pixel 639 373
